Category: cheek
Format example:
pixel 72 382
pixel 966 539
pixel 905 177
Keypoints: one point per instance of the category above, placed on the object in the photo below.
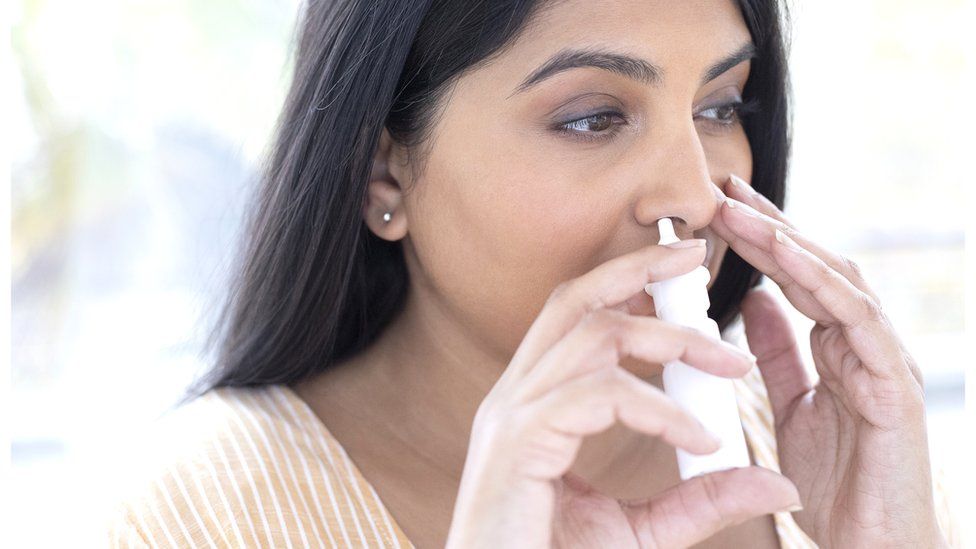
pixel 725 155
pixel 496 228
pixel 728 154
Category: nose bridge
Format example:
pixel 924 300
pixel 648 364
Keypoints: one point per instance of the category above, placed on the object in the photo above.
pixel 677 183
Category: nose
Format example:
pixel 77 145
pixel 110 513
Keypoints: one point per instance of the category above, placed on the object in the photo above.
pixel 675 182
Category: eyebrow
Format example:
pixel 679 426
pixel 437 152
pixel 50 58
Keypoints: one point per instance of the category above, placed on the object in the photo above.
pixel 625 65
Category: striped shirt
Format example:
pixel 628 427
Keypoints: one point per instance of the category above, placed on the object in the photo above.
pixel 255 467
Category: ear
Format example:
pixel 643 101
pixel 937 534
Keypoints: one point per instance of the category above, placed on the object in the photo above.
pixel 384 192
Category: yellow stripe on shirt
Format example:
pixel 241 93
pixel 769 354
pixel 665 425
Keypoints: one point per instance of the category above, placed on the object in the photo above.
pixel 254 467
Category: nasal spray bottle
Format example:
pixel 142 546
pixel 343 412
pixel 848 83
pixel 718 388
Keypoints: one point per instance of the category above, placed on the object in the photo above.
pixel 709 398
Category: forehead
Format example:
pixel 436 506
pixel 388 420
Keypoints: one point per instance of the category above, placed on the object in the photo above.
pixel 680 36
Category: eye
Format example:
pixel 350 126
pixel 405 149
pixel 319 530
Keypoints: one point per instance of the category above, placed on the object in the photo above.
pixel 602 125
pixel 729 114
pixel 725 113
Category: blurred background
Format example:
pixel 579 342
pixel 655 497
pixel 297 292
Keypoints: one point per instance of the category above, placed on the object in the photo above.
pixel 133 130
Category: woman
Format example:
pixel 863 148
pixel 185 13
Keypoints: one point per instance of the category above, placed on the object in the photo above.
pixel 441 295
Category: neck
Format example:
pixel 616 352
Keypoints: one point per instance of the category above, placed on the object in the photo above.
pixel 421 382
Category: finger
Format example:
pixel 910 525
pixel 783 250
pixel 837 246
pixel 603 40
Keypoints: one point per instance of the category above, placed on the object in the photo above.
pixel 603 338
pixel 738 189
pixel 877 400
pixel 552 427
pixel 770 218
pixel 607 285
pixel 640 304
pixel 743 191
pixel 868 331
pixel 696 509
pixel 762 259
pixel 771 339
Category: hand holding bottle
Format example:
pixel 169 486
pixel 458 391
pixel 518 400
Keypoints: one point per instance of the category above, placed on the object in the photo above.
pixel 564 383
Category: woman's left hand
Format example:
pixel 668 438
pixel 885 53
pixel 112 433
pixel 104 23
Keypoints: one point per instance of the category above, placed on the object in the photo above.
pixel 854 442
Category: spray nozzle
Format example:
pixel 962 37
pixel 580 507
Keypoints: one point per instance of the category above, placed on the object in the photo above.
pixel 666 229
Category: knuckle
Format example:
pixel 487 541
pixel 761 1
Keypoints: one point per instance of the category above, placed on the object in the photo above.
pixel 610 381
pixel 870 308
pixel 601 321
pixel 713 496
pixel 691 336
pixel 817 335
pixel 601 318
pixel 689 331
pixel 607 326
pixel 496 422
pixel 516 422
pixel 485 415
pixel 915 371
pixel 570 295
pixel 560 293
pixel 851 266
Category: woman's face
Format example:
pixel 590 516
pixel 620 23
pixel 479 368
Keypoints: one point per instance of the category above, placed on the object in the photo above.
pixel 534 178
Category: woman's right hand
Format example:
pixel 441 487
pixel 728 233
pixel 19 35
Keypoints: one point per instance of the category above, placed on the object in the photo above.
pixel 564 383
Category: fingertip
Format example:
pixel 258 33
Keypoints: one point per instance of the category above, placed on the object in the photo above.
pixel 753 293
pixel 715 356
pixel 743 360
pixel 785 489
pixel 691 243
pixel 689 252
pixel 700 441
pixel 674 261
pixel 726 216
pixel 794 492
pixel 710 442
pixel 709 502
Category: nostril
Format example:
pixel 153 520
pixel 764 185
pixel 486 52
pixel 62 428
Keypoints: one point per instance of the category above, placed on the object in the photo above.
pixel 668 231
pixel 675 220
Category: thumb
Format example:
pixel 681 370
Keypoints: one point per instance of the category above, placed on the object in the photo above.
pixel 770 337
pixel 697 508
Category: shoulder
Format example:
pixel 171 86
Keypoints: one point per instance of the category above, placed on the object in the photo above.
pixel 222 469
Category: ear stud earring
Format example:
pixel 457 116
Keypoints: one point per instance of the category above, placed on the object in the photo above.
pixel 386 217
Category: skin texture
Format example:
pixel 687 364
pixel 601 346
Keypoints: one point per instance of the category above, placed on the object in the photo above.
pixel 506 209
pixel 854 441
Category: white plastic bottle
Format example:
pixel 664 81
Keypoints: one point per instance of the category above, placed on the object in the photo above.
pixel 710 398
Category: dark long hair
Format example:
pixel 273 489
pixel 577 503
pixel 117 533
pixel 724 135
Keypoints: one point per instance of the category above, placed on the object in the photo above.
pixel 313 285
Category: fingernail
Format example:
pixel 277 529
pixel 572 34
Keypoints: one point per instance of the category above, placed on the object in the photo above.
pixel 736 182
pixel 690 243
pixel 794 508
pixel 740 184
pixel 787 241
pixel 741 207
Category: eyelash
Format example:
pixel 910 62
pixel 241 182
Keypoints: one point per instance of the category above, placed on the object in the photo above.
pixel 740 110
pixel 593 136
